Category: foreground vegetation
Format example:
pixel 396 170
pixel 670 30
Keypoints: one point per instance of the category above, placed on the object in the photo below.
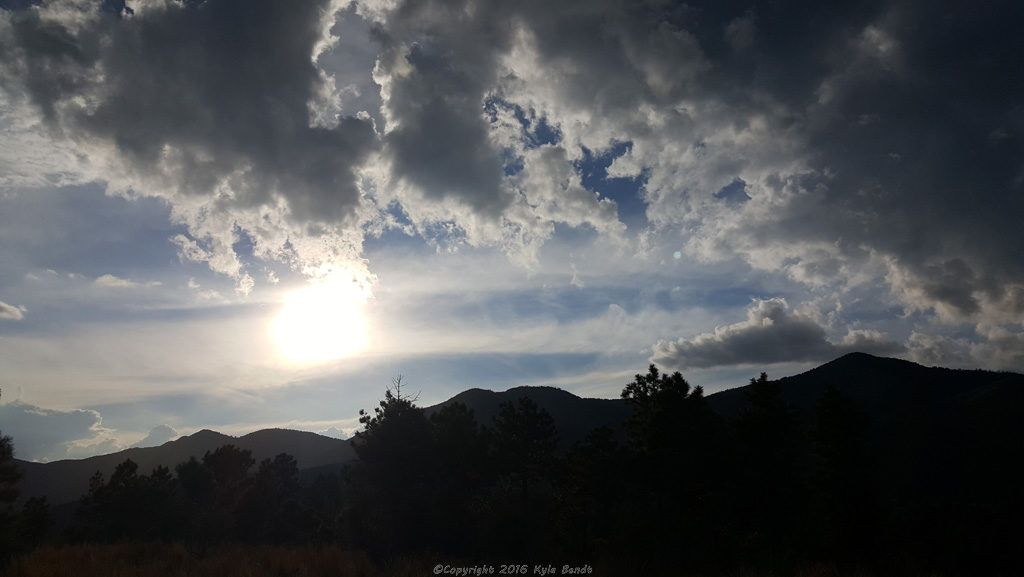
pixel 167 560
pixel 682 490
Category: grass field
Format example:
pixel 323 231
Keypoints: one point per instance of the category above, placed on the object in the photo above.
pixel 167 560
pixel 175 560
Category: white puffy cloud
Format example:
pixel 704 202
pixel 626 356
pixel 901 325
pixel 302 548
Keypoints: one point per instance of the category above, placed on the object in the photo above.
pixel 111 281
pixel 158 436
pixel 1002 349
pixel 991 347
pixel 102 445
pixel 335 433
pixel 937 350
pixel 48 434
pixel 11 312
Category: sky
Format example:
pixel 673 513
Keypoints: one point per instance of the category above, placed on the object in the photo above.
pixel 236 214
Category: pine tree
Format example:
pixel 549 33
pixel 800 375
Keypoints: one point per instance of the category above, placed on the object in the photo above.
pixel 10 475
pixel 393 481
pixel 770 448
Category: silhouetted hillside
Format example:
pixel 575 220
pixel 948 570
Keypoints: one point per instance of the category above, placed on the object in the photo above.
pixel 66 480
pixel 884 387
pixel 880 385
pixel 863 462
pixel 574 416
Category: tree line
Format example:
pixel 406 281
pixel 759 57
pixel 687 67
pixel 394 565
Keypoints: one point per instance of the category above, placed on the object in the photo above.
pixel 680 487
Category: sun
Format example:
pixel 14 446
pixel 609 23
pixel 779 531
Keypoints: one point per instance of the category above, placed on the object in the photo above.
pixel 323 321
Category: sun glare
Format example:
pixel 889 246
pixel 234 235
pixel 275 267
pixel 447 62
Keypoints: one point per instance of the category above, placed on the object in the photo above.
pixel 322 322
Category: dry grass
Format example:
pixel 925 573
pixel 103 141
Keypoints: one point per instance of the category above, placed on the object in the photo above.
pixel 174 560
pixel 153 560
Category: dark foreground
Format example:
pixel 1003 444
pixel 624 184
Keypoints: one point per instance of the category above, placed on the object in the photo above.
pixel 172 560
pixel 820 477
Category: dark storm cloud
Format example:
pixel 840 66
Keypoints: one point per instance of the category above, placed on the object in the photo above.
pixel 210 97
pixel 847 145
pixel 909 122
pixel 913 115
pixel 899 123
pixel 771 334
pixel 466 84
pixel 438 66
pixel 864 94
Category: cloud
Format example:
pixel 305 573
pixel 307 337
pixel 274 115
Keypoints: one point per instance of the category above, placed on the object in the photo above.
pixel 463 153
pixel 91 447
pixel 207 106
pixel 1002 349
pixel 838 213
pixel 49 434
pixel 772 333
pixel 42 434
pixel 575 280
pixel 992 347
pixel 848 152
pixel 11 312
pixel 158 436
pixel 111 281
pixel 225 109
pixel 934 350
pixel 334 433
pixel 741 33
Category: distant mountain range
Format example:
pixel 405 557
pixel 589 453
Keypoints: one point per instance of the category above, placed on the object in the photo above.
pixel 66 480
pixel 887 389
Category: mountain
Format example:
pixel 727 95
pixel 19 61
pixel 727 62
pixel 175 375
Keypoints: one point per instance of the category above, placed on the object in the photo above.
pixel 574 416
pixel 64 481
pixel 884 386
pixel 911 469
pixel 905 398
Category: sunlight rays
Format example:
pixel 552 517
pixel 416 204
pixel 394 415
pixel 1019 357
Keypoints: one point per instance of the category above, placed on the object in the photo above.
pixel 323 321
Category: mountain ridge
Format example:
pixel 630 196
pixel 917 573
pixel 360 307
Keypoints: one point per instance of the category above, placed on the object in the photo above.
pixel 574 416
pixel 881 384
pixel 65 480
pixel 884 387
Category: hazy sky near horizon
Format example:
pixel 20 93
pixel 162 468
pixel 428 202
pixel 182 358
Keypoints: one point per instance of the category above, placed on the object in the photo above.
pixel 201 202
